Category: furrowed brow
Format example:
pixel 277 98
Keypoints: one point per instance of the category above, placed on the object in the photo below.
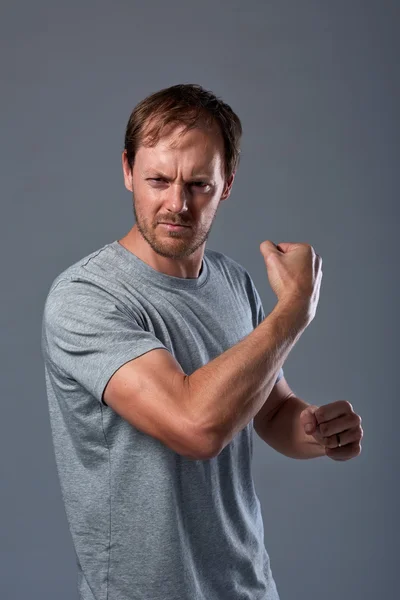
pixel 157 173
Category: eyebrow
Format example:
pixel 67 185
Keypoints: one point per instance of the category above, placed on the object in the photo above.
pixel 158 173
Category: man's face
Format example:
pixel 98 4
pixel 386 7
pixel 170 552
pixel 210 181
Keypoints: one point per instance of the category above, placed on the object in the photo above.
pixel 178 181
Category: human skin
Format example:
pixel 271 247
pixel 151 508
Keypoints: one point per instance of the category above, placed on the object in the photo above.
pixel 181 180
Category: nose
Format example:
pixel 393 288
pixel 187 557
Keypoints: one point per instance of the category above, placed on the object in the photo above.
pixel 177 198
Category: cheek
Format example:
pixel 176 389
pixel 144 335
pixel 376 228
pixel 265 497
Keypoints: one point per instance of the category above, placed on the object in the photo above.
pixel 205 217
pixel 147 200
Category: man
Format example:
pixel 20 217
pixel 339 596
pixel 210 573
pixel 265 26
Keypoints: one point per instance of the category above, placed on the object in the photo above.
pixel 160 362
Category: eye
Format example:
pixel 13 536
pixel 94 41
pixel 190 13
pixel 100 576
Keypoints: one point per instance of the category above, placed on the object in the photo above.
pixel 201 185
pixel 157 181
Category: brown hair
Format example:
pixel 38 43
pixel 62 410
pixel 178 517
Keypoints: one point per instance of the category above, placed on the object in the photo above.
pixel 187 104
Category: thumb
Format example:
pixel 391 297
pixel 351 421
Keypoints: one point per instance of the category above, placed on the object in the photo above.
pixel 267 247
pixel 308 419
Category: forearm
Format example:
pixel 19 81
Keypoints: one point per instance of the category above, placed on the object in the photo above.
pixel 286 435
pixel 226 393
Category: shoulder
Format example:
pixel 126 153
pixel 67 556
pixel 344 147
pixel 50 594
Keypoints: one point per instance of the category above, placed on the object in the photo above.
pixel 226 263
pixel 85 271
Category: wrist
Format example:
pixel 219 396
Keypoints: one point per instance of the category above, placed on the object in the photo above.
pixel 296 310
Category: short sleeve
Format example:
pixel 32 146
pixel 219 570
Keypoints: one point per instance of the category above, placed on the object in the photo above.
pixel 260 319
pixel 87 334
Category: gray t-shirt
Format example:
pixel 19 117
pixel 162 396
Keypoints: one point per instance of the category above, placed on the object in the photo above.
pixel 146 522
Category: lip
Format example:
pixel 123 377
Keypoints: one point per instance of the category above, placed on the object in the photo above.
pixel 174 227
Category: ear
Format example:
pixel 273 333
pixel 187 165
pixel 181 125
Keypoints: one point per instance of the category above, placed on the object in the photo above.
pixel 127 172
pixel 228 187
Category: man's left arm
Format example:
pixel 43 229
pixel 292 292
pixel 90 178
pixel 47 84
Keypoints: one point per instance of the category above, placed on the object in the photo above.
pixel 283 419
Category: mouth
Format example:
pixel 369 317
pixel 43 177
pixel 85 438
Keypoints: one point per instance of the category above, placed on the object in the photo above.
pixel 174 227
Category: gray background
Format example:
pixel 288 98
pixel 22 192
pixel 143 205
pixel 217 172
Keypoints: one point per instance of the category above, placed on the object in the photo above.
pixel 316 84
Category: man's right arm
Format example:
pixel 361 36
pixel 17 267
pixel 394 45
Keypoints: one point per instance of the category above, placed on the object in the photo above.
pixel 197 415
